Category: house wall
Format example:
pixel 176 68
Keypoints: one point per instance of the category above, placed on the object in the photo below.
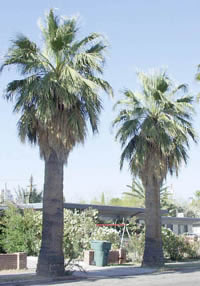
pixel 182 228
pixel 196 229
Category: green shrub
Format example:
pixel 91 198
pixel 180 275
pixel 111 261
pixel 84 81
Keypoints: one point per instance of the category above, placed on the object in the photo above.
pixel 2 227
pixel 109 234
pixel 135 244
pixel 177 247
pixel 135 247
pixel 21 231
pixel 80 228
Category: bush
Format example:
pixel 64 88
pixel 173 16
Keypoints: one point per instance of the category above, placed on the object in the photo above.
pixel 21 231
pixel 2 227
pixel 109 234
pixel 135 247
pixel 80 228
pixel 135 244
pixel 176 247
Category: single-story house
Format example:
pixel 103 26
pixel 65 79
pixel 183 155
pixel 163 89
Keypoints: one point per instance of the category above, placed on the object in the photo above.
pixel 178 225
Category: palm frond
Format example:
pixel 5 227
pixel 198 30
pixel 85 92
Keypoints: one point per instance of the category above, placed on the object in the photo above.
pixel 155 125
pixel 58 94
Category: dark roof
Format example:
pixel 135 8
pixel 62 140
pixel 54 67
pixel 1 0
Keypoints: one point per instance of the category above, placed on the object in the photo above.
pixel 104 211
pixel 107 211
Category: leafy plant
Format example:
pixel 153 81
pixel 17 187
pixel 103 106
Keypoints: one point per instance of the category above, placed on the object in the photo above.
pixel 176 247
pixel 109 234
pixel 21 231
pixel 80 228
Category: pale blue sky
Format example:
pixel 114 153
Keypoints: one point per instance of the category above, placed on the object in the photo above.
pixel 142 35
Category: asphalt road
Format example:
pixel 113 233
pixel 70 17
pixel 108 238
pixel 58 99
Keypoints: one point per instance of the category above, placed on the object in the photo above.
pixel 183 278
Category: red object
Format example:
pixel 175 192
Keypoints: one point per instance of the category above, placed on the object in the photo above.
pixel 110 224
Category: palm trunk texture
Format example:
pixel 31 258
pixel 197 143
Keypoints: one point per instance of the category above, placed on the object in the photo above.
pixel 51 258
pixel 153 253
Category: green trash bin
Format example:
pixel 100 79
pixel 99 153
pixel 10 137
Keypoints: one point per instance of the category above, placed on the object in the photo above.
pixel 101 251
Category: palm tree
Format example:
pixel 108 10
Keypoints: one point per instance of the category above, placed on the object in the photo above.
pixel 137 191
pixel 22 196
pixel 154 127
pixel 57 96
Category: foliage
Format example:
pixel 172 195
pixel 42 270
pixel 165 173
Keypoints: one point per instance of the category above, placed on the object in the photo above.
pixel 80 228
pixel 135 247
pixel 124 201
pixel 134 227
pixel 35 196
pixel 109 234
pixel 102 198
pixel 28 195
pixel 154 128
pixel 135 243
pixel 58 93
pixel 21 231
pixel 58 96
pixel 177 247
pixel 95 201
pixel 2 227
pixel 192 208
pixel 23 196
pixel 137 191
pixel 156 124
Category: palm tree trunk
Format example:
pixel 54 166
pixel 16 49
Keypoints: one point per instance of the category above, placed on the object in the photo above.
pixel 51 258
pixel 153 253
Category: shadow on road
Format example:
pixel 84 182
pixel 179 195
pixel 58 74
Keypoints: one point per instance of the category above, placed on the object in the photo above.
pixel 94 275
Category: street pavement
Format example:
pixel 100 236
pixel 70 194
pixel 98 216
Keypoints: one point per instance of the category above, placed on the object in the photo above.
pixel 176 274
pixel 185 278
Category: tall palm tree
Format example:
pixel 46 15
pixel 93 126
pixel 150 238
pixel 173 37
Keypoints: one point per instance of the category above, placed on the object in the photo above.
pixel 57 96
pixel 154 127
